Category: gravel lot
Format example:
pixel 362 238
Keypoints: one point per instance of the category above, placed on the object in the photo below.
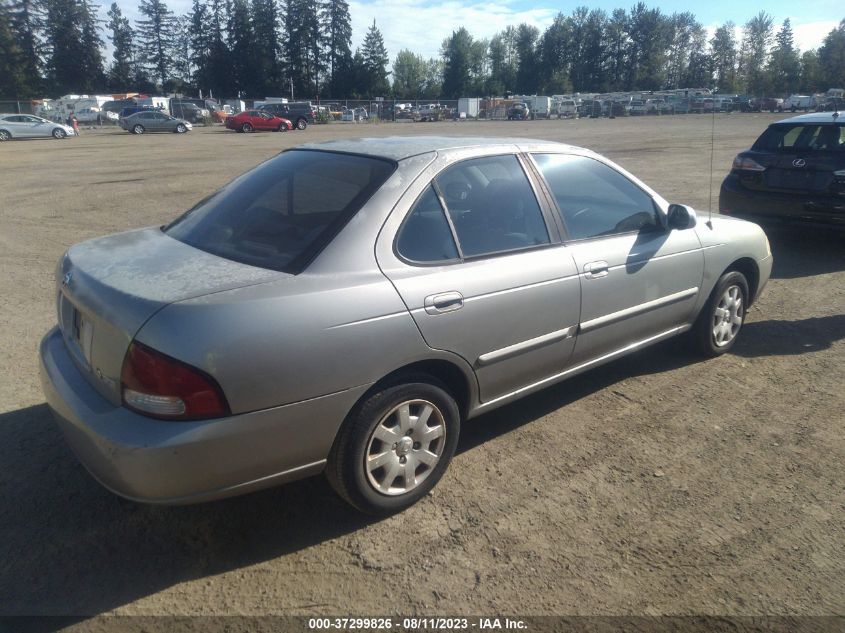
pixel 658 484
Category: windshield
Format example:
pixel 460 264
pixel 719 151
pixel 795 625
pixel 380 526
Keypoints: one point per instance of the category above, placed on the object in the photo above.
pixel 807 136
pixel 283 212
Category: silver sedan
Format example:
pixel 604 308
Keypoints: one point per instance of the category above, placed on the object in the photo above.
pixel 345 306
pixel 31 126
pixel 154 121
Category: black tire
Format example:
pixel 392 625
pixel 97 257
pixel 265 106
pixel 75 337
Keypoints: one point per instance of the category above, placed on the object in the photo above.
pixel 138 129
pixel 181 129
pixel 246 128
pixel 59 133
pixel 346 470
pixel 283 127
pixel 4 135
pixel 703 332
pixel 301 123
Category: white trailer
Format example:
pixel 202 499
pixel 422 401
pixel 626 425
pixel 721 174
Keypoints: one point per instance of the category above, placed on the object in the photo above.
pixel 468 106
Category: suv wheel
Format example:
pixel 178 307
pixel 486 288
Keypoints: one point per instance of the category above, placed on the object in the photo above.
pixel 301 123
pixel 395 446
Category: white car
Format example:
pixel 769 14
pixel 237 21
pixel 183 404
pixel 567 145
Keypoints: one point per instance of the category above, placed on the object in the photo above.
pixel 31 126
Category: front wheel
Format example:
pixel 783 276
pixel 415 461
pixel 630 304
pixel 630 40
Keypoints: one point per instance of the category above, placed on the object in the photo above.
pixel 59 133
pixel 717 327
pixel 138 129
pixel 301 124
pixel 395 446
pixel 181 129
pixel 283 127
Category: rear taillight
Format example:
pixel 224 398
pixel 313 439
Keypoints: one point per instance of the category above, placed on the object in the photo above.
pixel 747 164
pixel 159 386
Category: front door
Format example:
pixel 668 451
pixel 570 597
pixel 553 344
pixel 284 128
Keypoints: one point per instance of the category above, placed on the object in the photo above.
pixel 638 278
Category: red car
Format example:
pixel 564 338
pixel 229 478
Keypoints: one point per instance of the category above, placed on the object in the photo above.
pixel 253 120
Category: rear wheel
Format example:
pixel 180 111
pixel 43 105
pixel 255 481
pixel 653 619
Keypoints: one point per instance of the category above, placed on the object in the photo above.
pixel 59 133
pixel 719 323
pixel 301 124
pixel 138 129
pixel 395 446
pixel 4 135
pixel 246 127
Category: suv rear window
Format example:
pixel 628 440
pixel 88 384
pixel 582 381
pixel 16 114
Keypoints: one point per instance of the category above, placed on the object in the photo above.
pixel 283 212
pixel 807 136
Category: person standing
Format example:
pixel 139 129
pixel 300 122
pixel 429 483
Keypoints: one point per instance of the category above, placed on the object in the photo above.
pixel 74 123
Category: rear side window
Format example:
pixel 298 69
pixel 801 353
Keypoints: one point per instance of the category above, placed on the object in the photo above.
pixel 283 212
pixel 425 236
pixel 795 137
pixel 595 200
pixel 492 206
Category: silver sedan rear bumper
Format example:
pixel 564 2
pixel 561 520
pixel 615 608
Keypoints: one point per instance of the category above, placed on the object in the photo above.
pixel 155 461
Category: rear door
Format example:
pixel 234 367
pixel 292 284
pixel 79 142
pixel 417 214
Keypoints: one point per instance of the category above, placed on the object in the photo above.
pixel 477 263
pixel 638 279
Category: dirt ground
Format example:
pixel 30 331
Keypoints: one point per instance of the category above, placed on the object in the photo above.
pixel 659 484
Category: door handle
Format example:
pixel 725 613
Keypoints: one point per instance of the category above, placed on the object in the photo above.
pixel 594 270
pixel 444 302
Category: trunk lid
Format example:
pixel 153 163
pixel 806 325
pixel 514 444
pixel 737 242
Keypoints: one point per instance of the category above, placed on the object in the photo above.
pixel 110 286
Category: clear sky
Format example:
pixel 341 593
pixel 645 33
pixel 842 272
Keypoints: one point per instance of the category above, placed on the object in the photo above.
pixel 422 25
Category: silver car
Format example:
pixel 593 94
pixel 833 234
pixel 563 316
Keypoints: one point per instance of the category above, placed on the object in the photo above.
pixel 344 306
pixel 154 121
pixel 31 126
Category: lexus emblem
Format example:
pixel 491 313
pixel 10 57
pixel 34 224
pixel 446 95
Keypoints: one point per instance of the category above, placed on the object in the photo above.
pixel 799 162
pixel 66 279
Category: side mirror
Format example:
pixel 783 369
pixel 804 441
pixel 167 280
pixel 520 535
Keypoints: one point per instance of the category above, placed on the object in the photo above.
pixel 680 217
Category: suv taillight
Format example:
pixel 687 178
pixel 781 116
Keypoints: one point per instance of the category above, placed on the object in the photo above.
pixel 159 386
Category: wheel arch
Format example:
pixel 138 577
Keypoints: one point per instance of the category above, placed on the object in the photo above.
pixel 458 383
pixel 749 269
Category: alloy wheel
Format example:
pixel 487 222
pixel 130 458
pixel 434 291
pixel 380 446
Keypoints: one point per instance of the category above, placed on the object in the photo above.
pixel 727 316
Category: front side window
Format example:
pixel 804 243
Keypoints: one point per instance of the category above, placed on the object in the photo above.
pixel 595 200
pixel 280 214
pixel 492 206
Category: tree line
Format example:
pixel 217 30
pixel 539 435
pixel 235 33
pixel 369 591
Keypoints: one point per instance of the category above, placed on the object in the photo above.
pixel 257 48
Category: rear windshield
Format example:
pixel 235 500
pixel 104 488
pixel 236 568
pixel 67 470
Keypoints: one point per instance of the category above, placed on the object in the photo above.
pixel 802 136
pixel 283 212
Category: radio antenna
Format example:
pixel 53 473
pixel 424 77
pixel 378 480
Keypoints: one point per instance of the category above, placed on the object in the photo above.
pixel 712 145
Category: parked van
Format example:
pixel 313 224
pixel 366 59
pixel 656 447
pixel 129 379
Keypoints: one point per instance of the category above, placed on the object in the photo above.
pixel 799 102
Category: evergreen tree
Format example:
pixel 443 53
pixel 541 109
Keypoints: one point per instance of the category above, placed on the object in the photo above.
pixel 156 39
pixel 337 34
pixel 502 62
pixel 243 58
pixel 375 61
pixel 525 43
pixel 724 57
pixel 120 72
pixel 617 45
pixel 755 51
pixel 810 73
pixel 218 75
pixel 74 58
pixel 27 22
pixel 457 61
pixel 832 58
pixel 649 35
pixel 13 80
pixel 304 46
pixel 199 40
pixel 784 65
pixel 267 71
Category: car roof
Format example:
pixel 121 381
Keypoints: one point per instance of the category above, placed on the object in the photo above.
pixel 401 147
pixel 813 117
